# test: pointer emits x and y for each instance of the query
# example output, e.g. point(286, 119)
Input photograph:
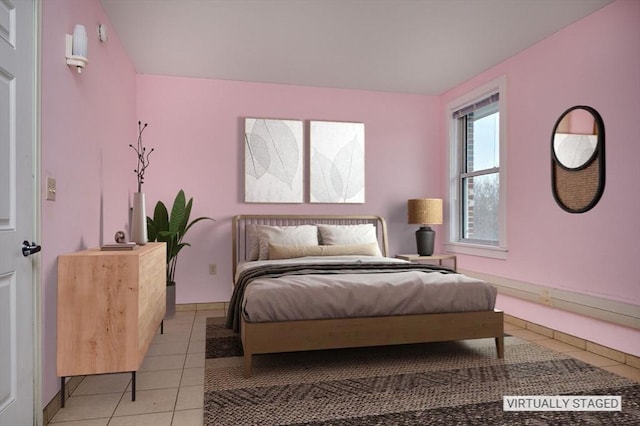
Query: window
point(478, 176)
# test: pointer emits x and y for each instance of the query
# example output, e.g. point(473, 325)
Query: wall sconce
point(76, 48)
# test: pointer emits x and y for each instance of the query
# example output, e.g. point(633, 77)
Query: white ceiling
point(410, 46)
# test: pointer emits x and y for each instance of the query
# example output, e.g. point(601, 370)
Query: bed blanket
point(246, 277)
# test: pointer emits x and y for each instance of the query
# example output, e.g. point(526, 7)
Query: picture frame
point(274, 160)
point(337, 162)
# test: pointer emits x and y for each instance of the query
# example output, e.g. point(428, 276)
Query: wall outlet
point(213, 269)
point(545, 297)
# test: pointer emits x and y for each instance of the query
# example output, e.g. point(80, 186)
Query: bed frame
point(305, 335)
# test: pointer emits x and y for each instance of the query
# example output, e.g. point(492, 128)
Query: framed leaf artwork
point(273, 161)
point(337, 162)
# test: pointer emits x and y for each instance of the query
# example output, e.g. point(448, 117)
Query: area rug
point(449, 383)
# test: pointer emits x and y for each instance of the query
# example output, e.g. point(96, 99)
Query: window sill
point(493, 252)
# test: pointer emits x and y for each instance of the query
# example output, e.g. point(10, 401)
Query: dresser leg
point(133, 385)
point(62, 392)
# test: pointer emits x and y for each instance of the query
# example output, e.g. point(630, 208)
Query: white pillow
point(278, 251)
point(348, 234)
point(303, 235)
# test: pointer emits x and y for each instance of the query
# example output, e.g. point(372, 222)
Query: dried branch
point(143, 156)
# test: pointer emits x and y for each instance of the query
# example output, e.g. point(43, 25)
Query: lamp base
point(425, 237)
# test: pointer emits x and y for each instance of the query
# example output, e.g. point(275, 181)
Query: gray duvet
point(349, 287)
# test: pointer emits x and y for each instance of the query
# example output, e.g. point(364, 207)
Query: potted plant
point(171, 229)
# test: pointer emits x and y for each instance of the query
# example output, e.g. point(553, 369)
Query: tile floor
point(585, 356)
point(170, 383)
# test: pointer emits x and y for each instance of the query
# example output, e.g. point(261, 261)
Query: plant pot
point(171, 301)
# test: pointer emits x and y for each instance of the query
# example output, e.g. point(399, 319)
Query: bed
point(269, 321)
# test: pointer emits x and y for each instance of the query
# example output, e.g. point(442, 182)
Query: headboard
point(239, 237)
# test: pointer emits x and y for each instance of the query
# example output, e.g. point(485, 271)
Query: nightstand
point(416, 258)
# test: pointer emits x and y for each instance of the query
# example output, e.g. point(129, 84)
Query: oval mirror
point(577, 151)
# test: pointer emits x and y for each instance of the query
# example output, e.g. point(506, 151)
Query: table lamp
point(425, 212)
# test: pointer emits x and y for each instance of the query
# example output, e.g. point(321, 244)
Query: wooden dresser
point(110, 306)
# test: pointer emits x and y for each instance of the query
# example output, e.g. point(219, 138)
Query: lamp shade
point(426, 211)
point(79, 41)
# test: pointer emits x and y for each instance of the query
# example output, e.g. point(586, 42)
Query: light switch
point(51, 189)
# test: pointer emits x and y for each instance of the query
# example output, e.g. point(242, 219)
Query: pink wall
point(196, 127)
point(594, 62)
point(88, 120)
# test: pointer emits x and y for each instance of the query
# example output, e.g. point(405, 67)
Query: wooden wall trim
point(616, 312)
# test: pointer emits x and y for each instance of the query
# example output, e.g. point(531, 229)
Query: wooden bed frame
point(305, 335)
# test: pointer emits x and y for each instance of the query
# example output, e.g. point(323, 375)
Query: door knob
point(29, 249)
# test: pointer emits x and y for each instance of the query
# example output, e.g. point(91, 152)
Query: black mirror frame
point(598, 155)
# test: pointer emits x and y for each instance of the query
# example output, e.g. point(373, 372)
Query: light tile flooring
point(585, 356)
point(170, 383)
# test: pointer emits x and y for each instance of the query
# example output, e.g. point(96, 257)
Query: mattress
point(372, 290)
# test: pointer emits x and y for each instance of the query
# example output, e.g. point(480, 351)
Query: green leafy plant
point(171, 229)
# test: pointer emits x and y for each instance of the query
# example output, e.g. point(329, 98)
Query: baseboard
point(54, 405)
point(211, 306)
point(620, 313)
point(579, 343)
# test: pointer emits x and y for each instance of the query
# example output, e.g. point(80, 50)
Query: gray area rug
point(449, 383)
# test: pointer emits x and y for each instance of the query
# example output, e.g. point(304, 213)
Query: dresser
point(110, 306)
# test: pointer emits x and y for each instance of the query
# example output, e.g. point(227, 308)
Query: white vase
point(139, 220)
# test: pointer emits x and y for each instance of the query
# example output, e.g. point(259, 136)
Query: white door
point(17, 217)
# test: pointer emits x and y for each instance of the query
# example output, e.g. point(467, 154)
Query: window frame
point(455, 243)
